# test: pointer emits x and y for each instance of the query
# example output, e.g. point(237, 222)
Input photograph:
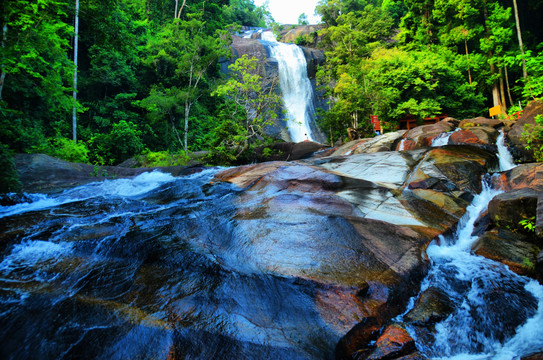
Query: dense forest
point(148, 71)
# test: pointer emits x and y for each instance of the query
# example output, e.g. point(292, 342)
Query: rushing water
point(148, 268)
point(497, 313)
point(504, 156)
point(295, 86)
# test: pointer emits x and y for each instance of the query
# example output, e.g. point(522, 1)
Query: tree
point(183, 56)
point(36, 73)
point(254, 101)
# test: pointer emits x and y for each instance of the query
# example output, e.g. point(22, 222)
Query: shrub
point(64, 149)
point(123, 142)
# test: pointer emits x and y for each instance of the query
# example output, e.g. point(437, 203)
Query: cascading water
point(295, 87)
point(442, 139)
point(496, 313)
point(504, 156)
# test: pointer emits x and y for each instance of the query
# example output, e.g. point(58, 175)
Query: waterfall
point(442, 139)
point(504, 156)
point(295, 87)
point(497, 313)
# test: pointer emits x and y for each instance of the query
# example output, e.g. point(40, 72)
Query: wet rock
point(533, 109)
point(431, 307)
point(476, 136)
point(394, 343)
point(288, 151)
point(287, 206)
point(538, 356)
point(41, 173)
point(450, 164)
point(508, 209)
point(359, 336)
point(253, 48)
point(389, 169)
point(379, 143)
point(423, 135)
point(522, 176)
point(481, 121)
point(12, 199)
point(514, 249)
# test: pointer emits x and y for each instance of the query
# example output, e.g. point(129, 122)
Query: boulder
point(450, 164)
point(431, 307)
point(371, 267)
point(512, 248)
point(481, 121)
point(394, 343)
point(291, 33)
point(251, 47)
point(476, 136)
point(538, 356)
point(41, 173)
point(533, 109)
point(522, 176)
point(481, 136)
point(506, 210)
point(379, 143)
point(423, 135)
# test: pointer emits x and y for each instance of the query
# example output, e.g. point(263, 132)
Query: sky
point(288, 11)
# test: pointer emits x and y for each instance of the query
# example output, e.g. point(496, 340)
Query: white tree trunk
point(76, 38)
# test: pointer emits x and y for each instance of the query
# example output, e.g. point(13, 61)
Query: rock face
point(422, 136)
point(311, 256)
point(533, 109)
point(46, 174)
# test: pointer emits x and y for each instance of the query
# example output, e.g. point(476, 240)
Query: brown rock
point(357, 339)
point(46, 174)
point(522, 176)
point(423, 135)
point(465, 137)
point(533, 109)
point(538, 356)
point(508, 209)
point(393, 343)
point(481, 121)
point(432, 306)
point(513, 249)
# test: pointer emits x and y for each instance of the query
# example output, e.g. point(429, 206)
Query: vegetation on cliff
point(149, 70)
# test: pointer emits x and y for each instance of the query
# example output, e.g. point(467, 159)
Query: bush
point(123, 142)
point(533, 136)
point(64, 149)
point(9, 178)
point(163, 158)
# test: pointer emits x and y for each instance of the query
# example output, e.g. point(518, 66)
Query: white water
point(295, 87)
point(504, 156)
point(139, 185)
point(443, 139)
point(401, 146)
point(498, 315)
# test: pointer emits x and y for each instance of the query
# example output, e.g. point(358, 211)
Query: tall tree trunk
point(187, 113)
point(2, 71)
point(181, 9)
point(467, 58)
point(508, 87)
point(495, 86)
point(502, 95)
point(76, 38)
point(520, 44)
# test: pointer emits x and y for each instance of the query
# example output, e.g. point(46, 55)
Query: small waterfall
point(496, 312)
point(295, 87)
point(504, 156)
point(443, 139)
point(401, 145)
